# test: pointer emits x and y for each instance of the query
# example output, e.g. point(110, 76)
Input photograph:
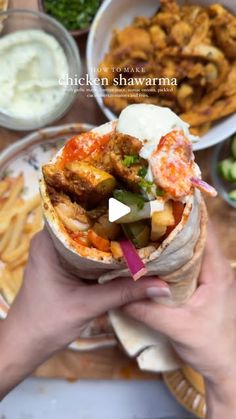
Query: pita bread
point(152, 350)
point(177, 260)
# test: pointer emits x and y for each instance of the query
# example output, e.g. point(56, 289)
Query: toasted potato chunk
point(116, 250)
point(165, 217)
point(161, 220)
point(157, 231)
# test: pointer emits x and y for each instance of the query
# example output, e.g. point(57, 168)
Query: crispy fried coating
point(125, 145)
point(82, 181)
point(194, 44)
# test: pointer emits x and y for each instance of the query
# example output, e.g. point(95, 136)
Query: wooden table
point(98, 365)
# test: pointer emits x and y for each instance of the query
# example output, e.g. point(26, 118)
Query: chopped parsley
point(146, 185)
point(143, 171)
point(130, 159)
point(73, 14)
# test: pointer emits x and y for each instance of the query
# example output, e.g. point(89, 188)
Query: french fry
point(17, 252)
point(16, 278)
point(36, 222)
point(12, 203)
point(5, 219)
point(10, 283)
point(16, 233)
point(14, 193)
point(3, 186)
point(6, 286)
point(4, 307)
point(27, 228)
point(38, 215)
point(25, 207)
point(30, 205)
point(31, 229)
point(20, 220)
point(21, 261)
point(5, 238)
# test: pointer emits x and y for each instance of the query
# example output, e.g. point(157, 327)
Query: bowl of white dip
point(36, 55)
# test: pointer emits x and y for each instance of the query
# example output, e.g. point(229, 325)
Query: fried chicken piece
point(165, 20)
point(122, 145)
point(158, 37)
point(71, 209)
point(170, 6)
point(134, 38)
point(54, 176)
point(82, 181)
point(181, 33)
point(185, 96)
point(224, 27)
point(198, 116)
point(71, 214)
point(194, 44)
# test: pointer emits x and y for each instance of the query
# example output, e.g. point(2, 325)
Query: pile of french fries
point(20, 220)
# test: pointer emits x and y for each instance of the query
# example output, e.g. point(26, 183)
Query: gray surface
point(54, 399)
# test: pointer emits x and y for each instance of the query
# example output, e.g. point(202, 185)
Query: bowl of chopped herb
point(75, 15)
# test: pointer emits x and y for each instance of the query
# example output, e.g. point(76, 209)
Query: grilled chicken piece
point(125, 145)
point(97, 212)
point(101, 160)
point(72, 215)
point(72, 209)
point(54, 177)
point(87, 184)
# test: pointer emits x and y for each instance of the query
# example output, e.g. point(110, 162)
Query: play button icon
point(116, 210)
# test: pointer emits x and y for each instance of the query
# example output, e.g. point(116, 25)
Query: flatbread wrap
point(145, 161)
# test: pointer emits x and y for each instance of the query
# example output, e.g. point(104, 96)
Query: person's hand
point(203, 331)
point(52, 308)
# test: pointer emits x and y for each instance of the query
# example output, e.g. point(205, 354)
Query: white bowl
point(22, 19)
point(118, 14)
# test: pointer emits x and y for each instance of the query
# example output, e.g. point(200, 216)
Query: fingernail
point(153, 292)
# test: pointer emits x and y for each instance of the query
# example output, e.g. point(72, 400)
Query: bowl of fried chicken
point(167, 53)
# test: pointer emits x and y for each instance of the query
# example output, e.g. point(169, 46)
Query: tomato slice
point(177, 208)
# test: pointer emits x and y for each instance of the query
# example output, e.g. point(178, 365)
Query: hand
point(203, 331)
point(52, 308)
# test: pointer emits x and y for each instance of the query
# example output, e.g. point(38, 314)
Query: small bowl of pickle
point(223, 170)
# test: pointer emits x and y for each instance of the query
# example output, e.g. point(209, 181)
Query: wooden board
point(103, 364)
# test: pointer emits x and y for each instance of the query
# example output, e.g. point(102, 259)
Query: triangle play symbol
point(116, 210)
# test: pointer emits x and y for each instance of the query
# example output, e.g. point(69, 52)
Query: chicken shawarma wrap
point(145, 161)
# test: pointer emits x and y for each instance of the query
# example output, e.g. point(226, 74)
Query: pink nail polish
point(154, 292)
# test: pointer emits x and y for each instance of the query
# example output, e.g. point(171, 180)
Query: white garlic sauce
point(31, 63)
